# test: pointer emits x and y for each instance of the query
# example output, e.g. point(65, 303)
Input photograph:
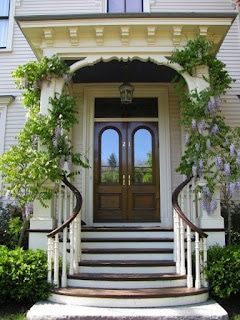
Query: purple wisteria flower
point(187, 138)
point(238, 158)
point(219, 162)
point(194, 170)
point(28, 209)
point(62, 161)
point(227, 169)
point(208, 203)
point(194, 124)
point(201, 167)
point(215, 129)
point(208, 144)
point(213, 205)
point(232, 150)
point(201, 126)
point(197, 146)
point(213, 105)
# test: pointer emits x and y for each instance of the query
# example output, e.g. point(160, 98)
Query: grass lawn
point(13, 312)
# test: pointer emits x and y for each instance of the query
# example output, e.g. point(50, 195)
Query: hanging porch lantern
point(126, 93)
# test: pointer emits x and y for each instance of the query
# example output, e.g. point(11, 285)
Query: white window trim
point(5, 101)
point(10, 28)
point(146, 6)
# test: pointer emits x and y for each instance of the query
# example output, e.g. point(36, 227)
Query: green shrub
point(23, 275)
point(223, 270)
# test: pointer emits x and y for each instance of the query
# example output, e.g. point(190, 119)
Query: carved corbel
point(151, 35)
point(177, 34)
point(99, 34)
point(48, 36)
point(125, 33)
point(73, 35)
point(203, 31)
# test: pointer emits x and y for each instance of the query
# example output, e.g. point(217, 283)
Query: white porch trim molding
point(5, 101)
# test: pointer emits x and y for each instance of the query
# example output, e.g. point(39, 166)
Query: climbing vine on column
point(212, 147)
point(44, 146)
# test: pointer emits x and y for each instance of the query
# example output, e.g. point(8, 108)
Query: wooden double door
point(126, 172)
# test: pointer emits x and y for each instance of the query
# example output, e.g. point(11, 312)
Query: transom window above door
point(122, 6)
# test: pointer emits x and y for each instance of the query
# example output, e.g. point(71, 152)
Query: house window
point(4, 22)
point(121, 6)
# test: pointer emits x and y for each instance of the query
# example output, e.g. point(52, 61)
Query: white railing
point(188, 238)
point(62, 259)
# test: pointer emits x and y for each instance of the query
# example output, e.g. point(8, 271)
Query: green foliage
point(212, 147)
point(222, 270)
point(31, 167)
point(10, 225)
point(23, 275)
point(234, 229)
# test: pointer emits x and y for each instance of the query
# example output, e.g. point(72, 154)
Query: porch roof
point(79, 35)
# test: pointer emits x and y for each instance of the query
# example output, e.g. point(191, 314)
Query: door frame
point(148, 90)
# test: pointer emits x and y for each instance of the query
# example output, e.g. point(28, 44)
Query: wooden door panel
point(126, 185)
point(143, 169)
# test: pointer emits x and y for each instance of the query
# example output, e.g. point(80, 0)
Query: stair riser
point(126, 284)
point(129, 302)
point(129, 245)
point(127, 269)
point(127, 256)
point(127, 234)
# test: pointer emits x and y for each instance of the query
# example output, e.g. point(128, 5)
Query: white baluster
point(197, 261)
point(71, 248)
point(79, 250)
point(175, 235)
point(56, 261)
point(205, 283)
point(182, 246)
point(178, 249)
point(188, 202)
point(71, 205)
point(75, 246)
point(50, 257)
point(189, 258)
point(64, 245)
point(60, 199)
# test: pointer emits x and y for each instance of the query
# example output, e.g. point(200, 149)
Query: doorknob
point(124, 180)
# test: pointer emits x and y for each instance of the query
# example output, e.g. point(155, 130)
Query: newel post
point(43, 217)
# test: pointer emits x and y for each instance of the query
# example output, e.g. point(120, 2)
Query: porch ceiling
point(78, 36)
point(118, 71)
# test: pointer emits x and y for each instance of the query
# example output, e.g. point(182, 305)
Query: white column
point(43, 217)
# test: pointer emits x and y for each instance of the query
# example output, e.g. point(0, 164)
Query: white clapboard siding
point(191, 5)
point(230, 54)
point(50, 7)
point(21, 53)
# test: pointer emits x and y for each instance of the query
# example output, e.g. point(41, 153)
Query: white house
point(131, 246)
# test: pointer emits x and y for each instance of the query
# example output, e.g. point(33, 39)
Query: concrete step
point(55, 311)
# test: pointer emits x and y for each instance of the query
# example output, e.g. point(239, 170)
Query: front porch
point(136, 248)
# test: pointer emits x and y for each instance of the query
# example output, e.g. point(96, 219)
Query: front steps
point(129, 267)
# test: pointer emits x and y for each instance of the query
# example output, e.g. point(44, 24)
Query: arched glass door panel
point(142, 157)
point(110, 156)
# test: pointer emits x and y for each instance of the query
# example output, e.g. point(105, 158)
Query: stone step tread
point(127, 239)
point(127, 263)
point(130, 293)
point(126, 276)
point(127, 250)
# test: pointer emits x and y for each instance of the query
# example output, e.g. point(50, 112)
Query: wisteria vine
point(212, 150)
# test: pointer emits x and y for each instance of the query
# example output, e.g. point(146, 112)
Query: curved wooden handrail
point(179, 211)
point(76, 209)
